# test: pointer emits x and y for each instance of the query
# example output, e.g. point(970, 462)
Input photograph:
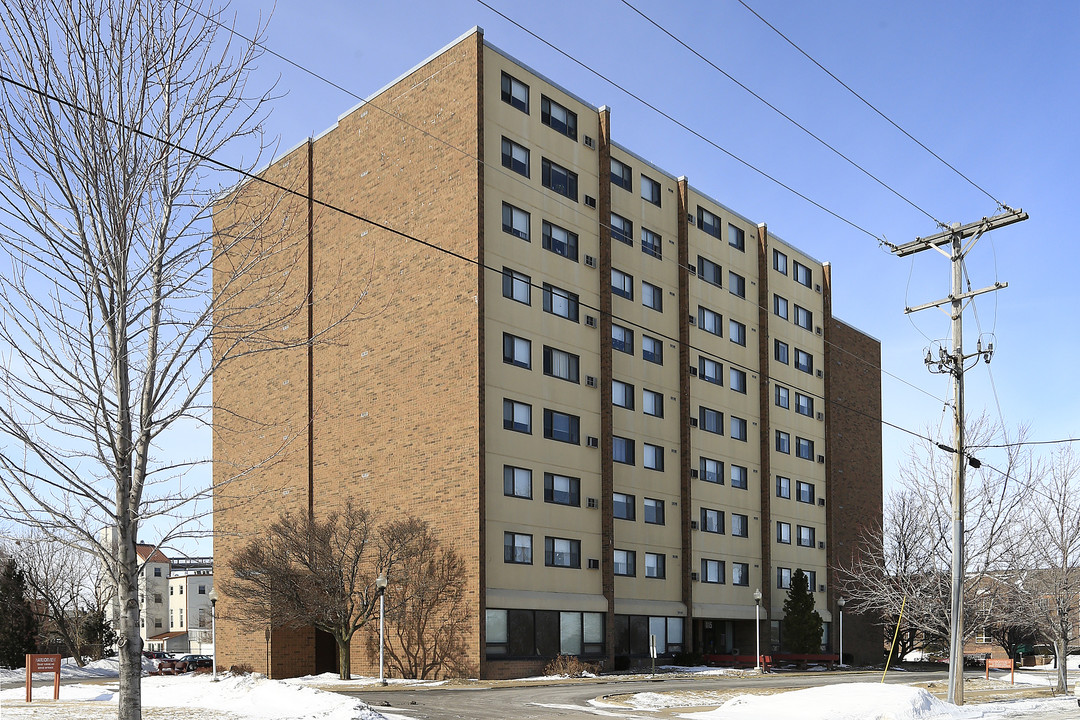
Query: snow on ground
point(332, 680)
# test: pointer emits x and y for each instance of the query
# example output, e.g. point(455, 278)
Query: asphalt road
point(570, 700)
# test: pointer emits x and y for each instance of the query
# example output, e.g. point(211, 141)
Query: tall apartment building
point(625, 404)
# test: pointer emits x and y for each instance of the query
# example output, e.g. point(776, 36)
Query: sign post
point(43, 664)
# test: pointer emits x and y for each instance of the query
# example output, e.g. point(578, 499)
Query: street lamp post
point(380, 585)
point(840, 604)
point(213, 596)
point(757, 629)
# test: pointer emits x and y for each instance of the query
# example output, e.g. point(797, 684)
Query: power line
point(356, 216)
point(687, 128)
point(784, 115)
point(871, 106)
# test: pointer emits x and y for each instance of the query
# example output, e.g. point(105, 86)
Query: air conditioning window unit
point(821, 588)
point(590, 381)
point(693, 577)
point(817, 329)
point(592, 503)
point(692, 269)
point(690, 218)
point(817, 288)
point(592, 441)
point(693, 524)
point(821, 501)
point(693, 473)
point(590, 261)
point(693, 371)
point(594, 564)
point(589, 142)
point(821, 544)
point(590, 320)
point(590, 201)
point(821, 458)
point(820, 374)
point(821, 416)
point(693, 422)
point(692, 320)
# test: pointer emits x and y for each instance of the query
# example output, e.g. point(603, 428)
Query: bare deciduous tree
point(307, 572)
point(111, 111)
point(427, 615)
point(913, 569)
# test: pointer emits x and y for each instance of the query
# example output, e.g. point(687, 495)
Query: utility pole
point(953, 363)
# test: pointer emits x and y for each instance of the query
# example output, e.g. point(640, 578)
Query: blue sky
point(989, 86)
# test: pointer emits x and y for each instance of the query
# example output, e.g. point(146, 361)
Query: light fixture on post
point(380, 586)
point(213, 596)
point(840, 604)
point(757, 629)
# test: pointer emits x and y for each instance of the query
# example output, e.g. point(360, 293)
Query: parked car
point(156, 655)
point(185, 663)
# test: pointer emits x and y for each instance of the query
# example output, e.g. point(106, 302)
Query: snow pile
point(846, 701)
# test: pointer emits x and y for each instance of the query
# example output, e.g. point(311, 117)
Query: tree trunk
point(344, 661)
point(130, 641)
point(1062, 672)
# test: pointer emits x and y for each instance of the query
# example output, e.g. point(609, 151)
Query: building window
point(517, 351)
point(517, 482)
point(984, 637)
point(157, 623)
point(737, 379)
point(738, 428)
point(650, 190)
point(622, 394)
point(804, 318)
point(561, 426)
point(783, 487)
point(654, 511)
point(804, 361)
point(652, 403)
point(560, 240)
point(736, 238)
point(515, 221)
point(652, 350)
point(710, 371)
point(180, 590)
point(202, 589)
point(783, 442)
point(562, 490)
point(622, 506)
point(622, 450)
point(654, 565)
point(811, 581)
point(779, 262)
point(780, 352)
point(515, 157)
point(804, 448)
point(708, 222)
point(740, 527)
point(622, 284)
point(711, 420)
point(652, 296)
point(804, 404)
point(623, 563)
point(157, 596)
point(736, 284)
point(782, 396)
point(709, 271)
point(622, 175)
point(157, 572)
point(560, 302)
point(712, 470)
point(622, 229)
point(804, 492)
point(172, 619)
point(652, 457)
point(651, 244)
point(783, 578)
point(712, 521)
point(561, 364)
point(515, 92)
point(712, 571)
point(517, 416)
point(560, 552)
point(802, 275)
point(558, 118)
point(559, 179)
point(783, 533)
point(780, 306)
point(739, 477)
point(806, 536)
point(517, 286)
point(517, 548)
point(740, 574)
point(622, 339)
point(737, 332)
point(170, 590)
point(710, 321)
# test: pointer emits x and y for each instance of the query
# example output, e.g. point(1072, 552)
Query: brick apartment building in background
point(626, 405)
